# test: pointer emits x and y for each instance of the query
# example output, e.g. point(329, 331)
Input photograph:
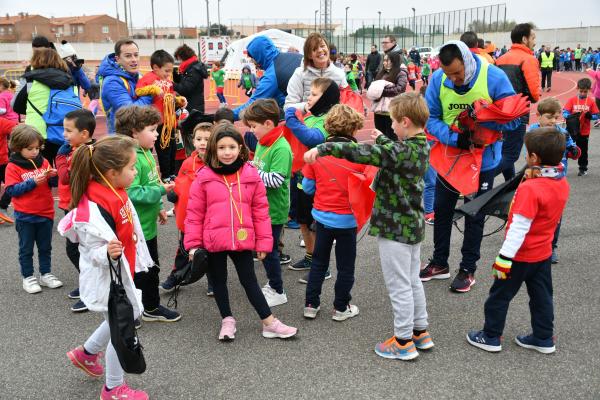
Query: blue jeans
point(345, 256)
point(429, 192)
point(271, 261)
point(222, 98)
point(511, 150)
point(445, 202)
point(39, 233)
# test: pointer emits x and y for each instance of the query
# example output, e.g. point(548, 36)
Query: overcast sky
point(544, 13)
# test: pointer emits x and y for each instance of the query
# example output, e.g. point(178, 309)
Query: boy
point(146, 193)
point(218, 75)
point(425, 72)
point(273, 159)
point(79, 126)
point(350, 78)
point(584, 104)
point(397, 218)
point(324, 94)
point(525, 254)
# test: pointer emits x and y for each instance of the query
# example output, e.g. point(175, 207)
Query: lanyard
point(152, 164)
point(239, 211)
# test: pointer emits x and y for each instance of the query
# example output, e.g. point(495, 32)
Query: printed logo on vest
point(455, 106)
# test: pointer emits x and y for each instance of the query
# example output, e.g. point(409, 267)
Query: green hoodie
point(146, 192)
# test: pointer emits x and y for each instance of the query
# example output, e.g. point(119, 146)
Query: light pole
point(414, 26)
point(316, 12)
point(219, 15)
point(379, 33)
point(153, 26)
point(346, 40)
point(207, 20)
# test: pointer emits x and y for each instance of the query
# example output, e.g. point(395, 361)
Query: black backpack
point(573, 124)
point(191, 272)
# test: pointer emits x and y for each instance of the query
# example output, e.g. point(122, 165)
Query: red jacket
point(63, 167)
point(6, 127)
point(522, 55)
point(166, 85)
point(183, 182)
point(38, 201)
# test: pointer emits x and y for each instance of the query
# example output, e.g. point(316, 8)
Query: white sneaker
point(171, 212)
point(310, 312)
point(31, 285)
point(302, 244)
point(351, 311)
point(50, 281)
point(273, 298)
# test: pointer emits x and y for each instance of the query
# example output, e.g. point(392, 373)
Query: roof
point(83, 19)
point(12, 19)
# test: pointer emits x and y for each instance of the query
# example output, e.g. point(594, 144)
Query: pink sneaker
point(123, 392)
point(278, 330)
point(89, 364)
point(227, 329)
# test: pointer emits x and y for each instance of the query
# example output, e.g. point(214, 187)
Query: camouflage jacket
point(398, 210)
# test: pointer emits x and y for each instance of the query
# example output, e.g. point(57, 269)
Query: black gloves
point(588, 115)
point(463, 140)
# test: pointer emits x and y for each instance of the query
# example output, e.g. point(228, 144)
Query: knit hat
point(66, 49)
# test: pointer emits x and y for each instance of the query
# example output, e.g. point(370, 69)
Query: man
point(118, 75)
point(388, 44)
point(578, 52)
point(373, 63)
point(415, 56)
point(521, 67)
point(462, 80)
point(470, 39)
point(546, 59)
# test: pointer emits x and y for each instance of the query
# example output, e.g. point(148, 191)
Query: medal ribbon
point(239, 211)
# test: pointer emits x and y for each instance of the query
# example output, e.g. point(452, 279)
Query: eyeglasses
point(385, 42)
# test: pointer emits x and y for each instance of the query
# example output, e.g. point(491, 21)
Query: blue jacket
point(499, 87)
point(80, 78)
point(570, 143)
point(263, 50)
point(114, 93)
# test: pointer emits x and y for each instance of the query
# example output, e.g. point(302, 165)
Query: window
point(10, 30)
point(104, 29)
point(1, 30)
point(80, 29)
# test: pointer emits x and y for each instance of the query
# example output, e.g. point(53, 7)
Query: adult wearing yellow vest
point(546, 59)
point(462, 79)
point(578, 52)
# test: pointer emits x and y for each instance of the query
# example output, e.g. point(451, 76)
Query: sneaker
point(291, 224)
point(310, 312)
point(531, 342)
point(394, 350)
point(302, 265)
point(304, 279)
point(284, 258)
point(273, 298)
point(31, 285)
point(484, 342)
point(582, 173)
point(169, 284)
point(302, 244)
point(554, 258)
point(255, 257)
point(74, 294)
point(161, 314)
point(351, 311)
point(433, 271)
point(423, 341)
point(462, 282)
point(90, 364)
point(209, 291)
point(278, 329)
point(171, 212)
point(50, 281)
point(227, 329)
point(430, 218)
point(137, 324)
point(123, 392)
point(5, 218)
point(79, 307)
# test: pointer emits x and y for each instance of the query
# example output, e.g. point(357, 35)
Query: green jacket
point(350, 78)
point(146, 192)
point(398, 210)
point(219, 77)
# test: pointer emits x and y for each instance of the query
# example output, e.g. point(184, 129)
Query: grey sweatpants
point(401, 264)
point(99, 341)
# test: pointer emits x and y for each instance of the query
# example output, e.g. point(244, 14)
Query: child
point(584, 104)
point(28, 182)
point(6, 127)
point(413, 72)
point(548, 111)
point(224, 114)
point(350, 78)
point(327, 180)
point(146, 193)
point(228, 182)
point(6, 96)
point(324, 94)
point(79, 128)
point(425, 72)
point(105, 225)
point(248, 81)
point(525, 254)
point(218, 75)
point(180, 197)
point(273, 160)
point(161, 63)
point(399, 187)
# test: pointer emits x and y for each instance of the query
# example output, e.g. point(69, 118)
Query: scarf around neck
point(229, 169)
point(468, 59)
point(23, 162)
point(271, 137)
point(545, 171)
point(185, 64)
point(329, 98)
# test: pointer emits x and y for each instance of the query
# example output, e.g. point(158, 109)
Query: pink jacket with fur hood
point(212, 221)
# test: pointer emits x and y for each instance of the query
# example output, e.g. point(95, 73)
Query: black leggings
point(244, 265)
point(166, 156)
point(147, 282)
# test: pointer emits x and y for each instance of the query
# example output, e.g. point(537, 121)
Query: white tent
point(237, 54)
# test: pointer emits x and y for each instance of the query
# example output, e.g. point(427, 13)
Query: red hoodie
point(6, 127)
point(166, 85)
point(38, 201)
point(183, 182)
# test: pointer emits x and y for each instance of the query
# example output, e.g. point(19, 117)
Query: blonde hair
point(47, 58)
point(343, 120)
point(412, 106)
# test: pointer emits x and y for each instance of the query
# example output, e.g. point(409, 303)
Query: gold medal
point(242, 234)
point(134, 237)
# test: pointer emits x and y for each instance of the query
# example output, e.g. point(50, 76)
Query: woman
point(189, 79)
point(393, 72)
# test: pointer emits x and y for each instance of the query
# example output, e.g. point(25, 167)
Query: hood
point(109, 67)
point(51, 77)
point(263, 50)
point(468, 59)
point(330, 97)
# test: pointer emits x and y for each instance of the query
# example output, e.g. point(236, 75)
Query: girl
point(229, 182)
point(218, 75)
point(247, 81)
point(28, 184)
point(105, 224)
point(390, 72)
point(6, 96)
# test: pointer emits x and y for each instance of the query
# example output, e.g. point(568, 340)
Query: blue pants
point(39, 233)
point(222, 98)
point(445, 202)
point(511, 150)
point(538, 279)
point(271, 261)
point(429, 192)
point(345, 256)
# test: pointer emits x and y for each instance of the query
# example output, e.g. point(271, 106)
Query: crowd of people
point(291, 162)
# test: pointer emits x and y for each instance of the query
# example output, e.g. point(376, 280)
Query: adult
point(463, 79)
point(118, 74)
point(546, 59)
point(556, 64)
point(577, 54)
point(522, 69)
point(68, 54)
point(473, 43)
point(189, 77)
point(503, 50)
point(373, 62)
point(415, 56)
point(392, 72)
point(357, 70)
point(389, 45)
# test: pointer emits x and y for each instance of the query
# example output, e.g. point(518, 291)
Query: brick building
point(24, 27)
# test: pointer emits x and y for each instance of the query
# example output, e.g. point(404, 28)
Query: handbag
point(573, 125)
point(191, 272)
point(121, 323)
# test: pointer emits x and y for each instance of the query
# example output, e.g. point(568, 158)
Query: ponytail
point(80, 173)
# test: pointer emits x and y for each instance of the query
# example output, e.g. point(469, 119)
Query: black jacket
point(191, 85)
point(373, 62)
point(52, 77)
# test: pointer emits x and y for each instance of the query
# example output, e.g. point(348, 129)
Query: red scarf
point(272, 136)
point(185, 64)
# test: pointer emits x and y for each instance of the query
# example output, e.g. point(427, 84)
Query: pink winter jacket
point(211, 222)
point(596, 83)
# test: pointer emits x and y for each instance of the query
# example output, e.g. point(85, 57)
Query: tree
point(478, 26)
point(220, 30)
point(369, 31)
